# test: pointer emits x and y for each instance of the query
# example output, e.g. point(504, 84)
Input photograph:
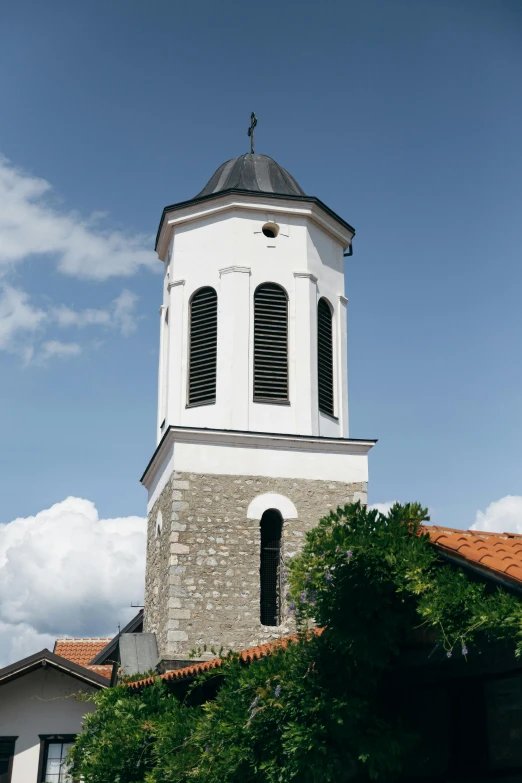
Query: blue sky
point(404, 117)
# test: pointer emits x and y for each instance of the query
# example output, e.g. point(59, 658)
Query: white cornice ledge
point(253, 440)
point(235, 201)
point(228, 270)
point(308, 275)
point(174, 283)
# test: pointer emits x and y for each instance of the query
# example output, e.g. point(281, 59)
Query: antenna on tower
point(253, 123)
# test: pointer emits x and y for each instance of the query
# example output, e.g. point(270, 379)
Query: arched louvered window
point(271, 529)
point(325, 357)
point(270, 343)
point(202, 347)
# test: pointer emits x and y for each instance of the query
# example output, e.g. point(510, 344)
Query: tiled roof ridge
point(84, 639)
point(471, 532)
point(246, 656)
point(496, 554)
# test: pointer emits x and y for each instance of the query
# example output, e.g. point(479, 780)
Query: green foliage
point(315, 710)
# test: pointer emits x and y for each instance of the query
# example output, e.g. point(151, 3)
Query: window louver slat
point(325, 357)
point(203, 347)
point(270, 344)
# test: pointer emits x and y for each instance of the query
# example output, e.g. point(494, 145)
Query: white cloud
point(65, 572)
point(31, 224)
point(19, 319)
point(120, 314)
point(19, 641)
point(55, 348)
point(382, 507)
point(124, 311)
point(22, 323)
point(66, 316)
point(501, 516)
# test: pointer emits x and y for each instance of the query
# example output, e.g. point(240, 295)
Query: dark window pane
point(271, 528)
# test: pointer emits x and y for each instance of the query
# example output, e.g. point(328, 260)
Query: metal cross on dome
point(253, 123)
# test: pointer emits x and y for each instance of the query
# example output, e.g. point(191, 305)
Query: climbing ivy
point(315, 710)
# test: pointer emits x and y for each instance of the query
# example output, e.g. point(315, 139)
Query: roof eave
point(251, 194)
point(504, 580)
point(44, 658)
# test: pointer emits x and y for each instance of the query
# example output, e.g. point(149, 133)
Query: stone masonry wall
point(202, 579)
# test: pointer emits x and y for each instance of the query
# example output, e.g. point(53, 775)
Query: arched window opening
point(159, 524)
point(271, 529)
point(325, 357)
point(270, 344)
point(203, 347)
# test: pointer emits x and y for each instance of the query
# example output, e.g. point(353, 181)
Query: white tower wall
point(226, 249)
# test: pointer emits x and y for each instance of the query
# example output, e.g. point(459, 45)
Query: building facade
point(253, 438)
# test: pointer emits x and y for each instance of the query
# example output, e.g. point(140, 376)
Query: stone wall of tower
point(202, 580)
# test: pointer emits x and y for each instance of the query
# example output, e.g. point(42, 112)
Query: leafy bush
point(315, 710)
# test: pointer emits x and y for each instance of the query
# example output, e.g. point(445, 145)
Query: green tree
point(315, 710)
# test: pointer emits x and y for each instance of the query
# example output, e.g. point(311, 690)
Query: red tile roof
point(246, 656)
point(498, 553)
point(82, 651)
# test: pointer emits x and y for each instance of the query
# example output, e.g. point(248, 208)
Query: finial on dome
point(253, 123)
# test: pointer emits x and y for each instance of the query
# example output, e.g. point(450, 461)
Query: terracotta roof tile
point(247, 656)
point(80, 651)
point(103, 670)
point(500, 553)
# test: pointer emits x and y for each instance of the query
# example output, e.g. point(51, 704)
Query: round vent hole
point(270, 230)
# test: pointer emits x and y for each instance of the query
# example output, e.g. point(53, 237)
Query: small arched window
point(271, 529)
point(325, 374)
point(159, 524)
point(202, 347)
point(270, 343)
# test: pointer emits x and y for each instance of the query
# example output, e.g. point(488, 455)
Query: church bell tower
point(253, 445)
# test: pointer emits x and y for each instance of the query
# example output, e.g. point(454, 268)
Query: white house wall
point(40, 702)
point(229, 252)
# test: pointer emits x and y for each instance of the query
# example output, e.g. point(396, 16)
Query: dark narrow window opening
point(7, 747)
point(271, 529)
point(203, 347)
point(270, 344)
point(325, 357)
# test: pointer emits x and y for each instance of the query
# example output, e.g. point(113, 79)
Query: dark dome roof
point(252, 173)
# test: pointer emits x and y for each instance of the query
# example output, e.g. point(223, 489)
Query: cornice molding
point(230, 201)
point(228, 270)
point(253, 440)
point(175, 283)
point(308, 275)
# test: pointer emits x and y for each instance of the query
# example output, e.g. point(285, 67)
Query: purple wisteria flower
point(287, 595)
point(207, 748)
point(284, 576)
point(464, 650)
point(308, 579)
point(313, 597)
point(328, 577)
point(349, 555)
point(303, 596)
point(448, 654)
point(291, 606)
point(254, 704)
point(277, 692)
